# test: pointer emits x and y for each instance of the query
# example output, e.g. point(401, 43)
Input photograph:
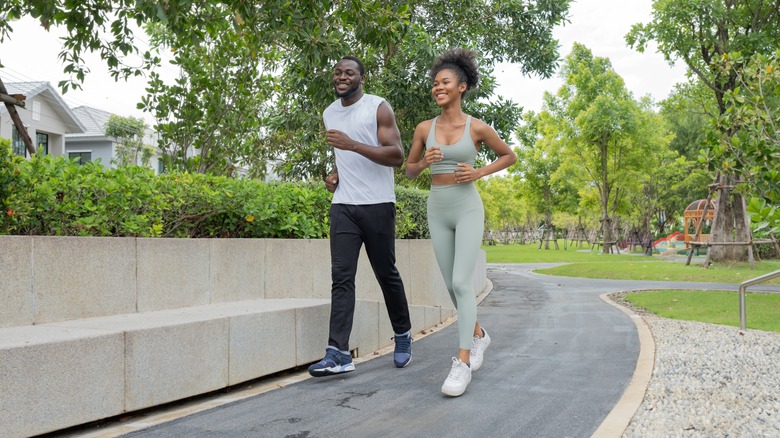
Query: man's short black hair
point(361, 67)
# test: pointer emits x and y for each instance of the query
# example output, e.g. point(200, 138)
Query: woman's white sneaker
point(456, 382)
point(478, 347)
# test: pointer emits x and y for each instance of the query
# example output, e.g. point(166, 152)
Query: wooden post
point(749, 236)
point(11, 107)
point(774, 243)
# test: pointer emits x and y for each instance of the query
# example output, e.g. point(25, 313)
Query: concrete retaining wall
point(95, 327)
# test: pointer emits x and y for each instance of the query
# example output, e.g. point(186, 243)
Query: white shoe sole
point(452, 392)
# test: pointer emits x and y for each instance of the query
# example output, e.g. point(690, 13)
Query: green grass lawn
point(625, 266)
point(530, 254)
point(660, 270)
point(717, 307)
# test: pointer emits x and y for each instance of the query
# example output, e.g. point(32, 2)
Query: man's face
point(346, 78)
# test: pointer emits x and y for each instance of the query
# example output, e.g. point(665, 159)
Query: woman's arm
point(484, 133)
point(417, 161)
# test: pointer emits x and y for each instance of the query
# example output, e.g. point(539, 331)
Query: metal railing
point(742, 290)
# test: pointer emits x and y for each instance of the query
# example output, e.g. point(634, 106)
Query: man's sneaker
point(403, 350)
point(460, 375)
point(334, 362)
point(478, 347)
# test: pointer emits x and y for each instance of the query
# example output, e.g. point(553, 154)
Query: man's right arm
point(388, 153)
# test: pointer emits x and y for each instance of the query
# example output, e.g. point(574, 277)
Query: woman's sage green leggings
point(456, 220)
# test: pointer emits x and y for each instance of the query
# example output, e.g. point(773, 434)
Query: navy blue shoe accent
point(403, 350)
point(334, 362)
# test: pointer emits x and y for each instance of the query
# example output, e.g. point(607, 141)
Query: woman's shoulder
point(425, 125)
point(479, 127)
point(477, 123)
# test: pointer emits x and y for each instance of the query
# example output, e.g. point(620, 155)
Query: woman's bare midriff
point(441, 179)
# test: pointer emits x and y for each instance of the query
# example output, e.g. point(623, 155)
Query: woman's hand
point(432, 155)
point(466, 173)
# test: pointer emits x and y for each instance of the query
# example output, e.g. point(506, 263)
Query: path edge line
point(618, 419)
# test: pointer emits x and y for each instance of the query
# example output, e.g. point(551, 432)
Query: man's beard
point(347, 94)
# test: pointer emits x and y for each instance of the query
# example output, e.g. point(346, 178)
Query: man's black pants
point(351, 226)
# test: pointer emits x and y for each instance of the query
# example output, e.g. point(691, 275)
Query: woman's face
point(447, 88)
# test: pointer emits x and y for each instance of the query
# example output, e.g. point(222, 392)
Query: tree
point(503, 200)
point(670, 184)
point(292, 47)
point(217, 106)
point(600, 126)
point(129, 135)
point(701, 33)
point(752, 120)
point(688, 112)
point(541, 154)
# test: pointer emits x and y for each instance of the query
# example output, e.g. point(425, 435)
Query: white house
point(59, 130)
point(46, 117)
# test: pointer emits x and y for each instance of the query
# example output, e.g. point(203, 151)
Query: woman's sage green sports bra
point(462, 151)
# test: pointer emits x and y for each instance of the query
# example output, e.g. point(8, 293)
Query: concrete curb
point(620, 416)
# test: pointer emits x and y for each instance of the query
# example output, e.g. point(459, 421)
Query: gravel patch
point(709, 380)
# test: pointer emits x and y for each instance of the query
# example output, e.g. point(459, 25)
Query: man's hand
point(340, 140)
point(332, 181)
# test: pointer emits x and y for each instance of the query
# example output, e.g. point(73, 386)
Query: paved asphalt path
point(559, 361)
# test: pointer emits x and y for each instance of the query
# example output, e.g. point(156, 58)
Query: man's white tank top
point(361, 181)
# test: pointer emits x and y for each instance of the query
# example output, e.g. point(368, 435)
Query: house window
point(82, 157)
point(42, 142)
point(17, 143)
point(36, 110)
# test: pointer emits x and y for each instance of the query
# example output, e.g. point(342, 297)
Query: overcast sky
point(601, 25)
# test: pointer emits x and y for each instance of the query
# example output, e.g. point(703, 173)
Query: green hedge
point(412, 213)
point(53, 196)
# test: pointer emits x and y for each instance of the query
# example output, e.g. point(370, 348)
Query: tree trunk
point(728, 225)
point(606, 225)
point(606, 220)
point(548, 229)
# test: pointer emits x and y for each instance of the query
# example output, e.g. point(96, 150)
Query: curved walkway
point(563, 362)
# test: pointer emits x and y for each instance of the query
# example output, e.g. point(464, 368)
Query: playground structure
point(671, 244)
point(698, 216)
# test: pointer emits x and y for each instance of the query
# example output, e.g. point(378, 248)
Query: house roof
point(48, 93)
point(93, 119)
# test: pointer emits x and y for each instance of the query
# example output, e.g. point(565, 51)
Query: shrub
point(55, 196)
point(411, 213)
point(8, 163)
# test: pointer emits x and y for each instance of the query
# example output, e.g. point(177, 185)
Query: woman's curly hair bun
point(461, 61)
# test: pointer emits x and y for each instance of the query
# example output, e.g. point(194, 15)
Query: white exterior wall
point(103, 150)
point(48, 123)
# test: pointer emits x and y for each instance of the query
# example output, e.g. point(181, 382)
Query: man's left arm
point(390, 151)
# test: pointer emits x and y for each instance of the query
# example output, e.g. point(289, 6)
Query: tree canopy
point(288, 49)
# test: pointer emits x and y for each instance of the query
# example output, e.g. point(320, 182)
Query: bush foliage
point(54, 196)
